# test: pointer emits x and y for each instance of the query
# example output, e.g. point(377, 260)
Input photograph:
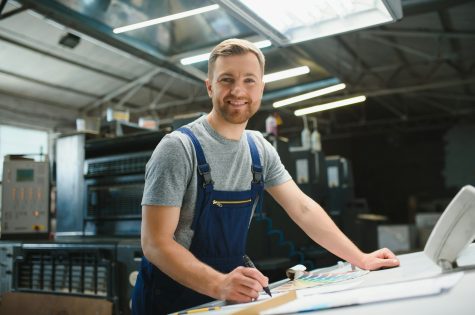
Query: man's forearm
point(321, 228)
point(181, 265)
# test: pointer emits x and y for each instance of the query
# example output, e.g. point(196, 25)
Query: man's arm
point(158, 227)
point(320, 227)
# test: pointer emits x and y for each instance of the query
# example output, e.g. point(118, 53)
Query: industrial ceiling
point(60, 59)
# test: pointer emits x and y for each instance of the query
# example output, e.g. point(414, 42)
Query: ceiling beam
point(403, 90)
point(74, 20)
point(455, 48)
point(392, 67)
point(187, 101)
point(454, 45)
point(380, 126)
point(330, 62)
point(9, 13)
point(125, 98)
point(415, 7)
point(401, 47)
point(433, 70)
point(450, 96)
point(253, 21)
point(357, 57)
point(432, 103)
point(48, 84)
point(75, 62)
point(406, 65)
point(22, 118)
point(390, 108)
point(159, 96)
point(63, 88)
point(2, 5)
point(419, 34)
point(20, 110)
point(111, 95)
point(395, 73)
point(420, 87)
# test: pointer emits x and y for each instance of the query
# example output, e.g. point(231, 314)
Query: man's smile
point(237, 103)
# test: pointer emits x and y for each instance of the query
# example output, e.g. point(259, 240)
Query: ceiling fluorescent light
point(309, 95)
point(271, 77)
point(195, 59)
point(301, 20)
point(164, 19)
point(263, 44)
point(205, 57)
point(327, 106)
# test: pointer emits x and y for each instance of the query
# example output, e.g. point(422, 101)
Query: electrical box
point(25, 198)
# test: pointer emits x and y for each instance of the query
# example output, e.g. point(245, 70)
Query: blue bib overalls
point(220, 226)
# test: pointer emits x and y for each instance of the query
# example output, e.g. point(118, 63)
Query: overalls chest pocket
point(224, 223)
point(242, 203)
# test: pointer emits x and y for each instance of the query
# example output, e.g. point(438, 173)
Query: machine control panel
point(25, 196)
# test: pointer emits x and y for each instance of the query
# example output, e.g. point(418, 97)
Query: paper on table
point(402, 290)
point(331, 288)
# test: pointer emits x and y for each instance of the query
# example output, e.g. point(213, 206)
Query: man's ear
point(209, 88)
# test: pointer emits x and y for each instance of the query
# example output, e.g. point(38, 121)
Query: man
point(202, 185)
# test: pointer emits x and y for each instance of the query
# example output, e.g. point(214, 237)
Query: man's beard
point(237, 115)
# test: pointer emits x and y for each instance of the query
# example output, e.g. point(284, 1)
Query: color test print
point(309, 279)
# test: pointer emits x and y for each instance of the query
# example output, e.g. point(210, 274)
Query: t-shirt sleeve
point(275, 172)
point(167, 173)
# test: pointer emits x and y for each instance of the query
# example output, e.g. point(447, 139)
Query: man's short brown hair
point(232, 47)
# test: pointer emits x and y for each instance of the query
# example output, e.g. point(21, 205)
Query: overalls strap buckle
point(256, 174)
point(256, 167)
point(205, 171)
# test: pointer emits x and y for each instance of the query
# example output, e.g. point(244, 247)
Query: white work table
point(460, 300)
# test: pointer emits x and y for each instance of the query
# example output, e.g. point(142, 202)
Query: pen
point(248, 263)
point(198, 310)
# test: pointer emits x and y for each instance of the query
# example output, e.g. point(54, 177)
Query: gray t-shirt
point(171, 176)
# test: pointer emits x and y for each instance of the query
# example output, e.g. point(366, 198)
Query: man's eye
point(250, 81)
point(226, 80)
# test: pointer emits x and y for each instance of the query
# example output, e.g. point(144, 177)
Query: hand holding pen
point(241, 285)
point(248, 263)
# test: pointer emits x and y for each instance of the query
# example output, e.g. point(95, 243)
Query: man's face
point(235, 87)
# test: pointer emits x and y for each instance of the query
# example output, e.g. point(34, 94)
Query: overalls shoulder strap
point(203, 166)
point(256, 167)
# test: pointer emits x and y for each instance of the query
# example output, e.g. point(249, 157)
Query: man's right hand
point(242, 285)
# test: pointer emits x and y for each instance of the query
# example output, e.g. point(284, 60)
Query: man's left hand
point(382, 258)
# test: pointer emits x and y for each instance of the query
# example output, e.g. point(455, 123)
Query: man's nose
point(238, 89)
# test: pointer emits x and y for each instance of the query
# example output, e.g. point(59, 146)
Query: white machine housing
point(454, 230)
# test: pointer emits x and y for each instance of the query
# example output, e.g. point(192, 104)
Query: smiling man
point(236, 92)
point(202, 184)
